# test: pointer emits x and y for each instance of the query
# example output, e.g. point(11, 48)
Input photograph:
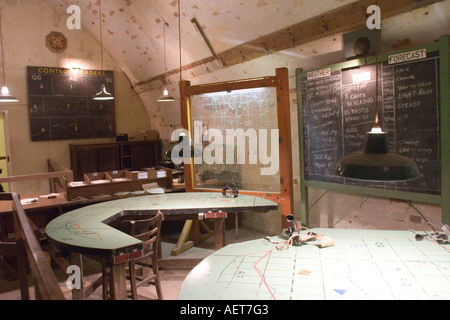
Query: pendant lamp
point(165, 97)
point(376, 163)
point(103, 94)
point(5, 96)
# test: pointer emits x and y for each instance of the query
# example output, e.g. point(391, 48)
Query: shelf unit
point(110, 156)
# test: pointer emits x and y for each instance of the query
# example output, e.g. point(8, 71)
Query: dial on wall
point(56, 41)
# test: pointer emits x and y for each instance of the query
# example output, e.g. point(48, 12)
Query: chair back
point(148, 231)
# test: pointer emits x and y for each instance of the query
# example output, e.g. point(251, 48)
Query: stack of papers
point(99, 181)
point(120, 179)
point(153, 188)
point(77, 183)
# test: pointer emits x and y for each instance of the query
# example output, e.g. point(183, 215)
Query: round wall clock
point(56, 41)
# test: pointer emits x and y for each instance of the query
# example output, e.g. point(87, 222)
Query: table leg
point(183, 244)
point(236, 224)
point(78, 293)
point(192, 229)
point(219, 233)
point(117, 281)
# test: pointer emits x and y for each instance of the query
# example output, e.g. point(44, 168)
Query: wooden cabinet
point(101, 157)
point(139, 154)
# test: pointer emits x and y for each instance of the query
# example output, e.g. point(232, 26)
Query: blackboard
point(338, 108)
point(61, 104)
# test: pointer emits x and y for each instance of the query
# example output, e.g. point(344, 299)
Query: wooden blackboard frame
point(442, 47)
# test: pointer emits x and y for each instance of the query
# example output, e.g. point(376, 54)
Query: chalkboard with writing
point(61, 104)
point(337, 108)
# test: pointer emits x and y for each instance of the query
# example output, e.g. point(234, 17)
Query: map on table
point(363, 264)
point(86, 227)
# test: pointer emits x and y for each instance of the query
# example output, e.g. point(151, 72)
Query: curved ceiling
point(133, 30)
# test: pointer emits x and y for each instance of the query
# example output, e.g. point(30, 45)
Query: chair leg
point(158, 288)
point(157, 280)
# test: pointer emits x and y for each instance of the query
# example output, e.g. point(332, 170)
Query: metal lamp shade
point(103, 94)
point(6, 97)
point(165, 97)
point(376, 163)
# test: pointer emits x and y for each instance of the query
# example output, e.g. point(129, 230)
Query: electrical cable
point(298, 239)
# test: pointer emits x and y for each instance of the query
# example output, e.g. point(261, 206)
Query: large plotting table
point(89, 230)
point(363, 264)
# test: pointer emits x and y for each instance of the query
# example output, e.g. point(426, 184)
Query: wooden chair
point(148, 231)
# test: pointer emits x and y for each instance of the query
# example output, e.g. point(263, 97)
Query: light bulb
point(376, 129)
point(5, 91)
point(6, 97)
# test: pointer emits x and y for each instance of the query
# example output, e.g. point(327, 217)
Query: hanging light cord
point(101, 37)
point(179, 34)
point(3, 57)
point(165, 64)
point(377, 44)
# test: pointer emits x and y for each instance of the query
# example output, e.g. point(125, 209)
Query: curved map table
point(87, 231)
point(363, 264)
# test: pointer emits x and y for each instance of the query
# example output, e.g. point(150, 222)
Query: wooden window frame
point(281, 83)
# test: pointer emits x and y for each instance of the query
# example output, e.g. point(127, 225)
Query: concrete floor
point(171, 279)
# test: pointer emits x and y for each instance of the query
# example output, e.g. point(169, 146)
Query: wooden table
point(362, 264)
point(47, 208)
point(88, 230)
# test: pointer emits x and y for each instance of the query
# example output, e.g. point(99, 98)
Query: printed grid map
point(363, 264)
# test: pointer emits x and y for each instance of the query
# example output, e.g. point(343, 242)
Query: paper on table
point(100, 196)
point(99, 181)
point(152, 188)
point(120, 179)
point(50, 195)
point(29, 201)
point(77, 183)
point(122, 193)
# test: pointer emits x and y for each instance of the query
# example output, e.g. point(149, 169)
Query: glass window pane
point(239, 138)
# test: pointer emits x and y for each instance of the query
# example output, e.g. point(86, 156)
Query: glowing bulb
point(376, 129)
point(5, 91)
point(6, 97)
point(103, 94)
point(75, 70)
point(165, 97)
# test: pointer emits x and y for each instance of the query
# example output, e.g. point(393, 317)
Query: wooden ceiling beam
point(343, 19)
